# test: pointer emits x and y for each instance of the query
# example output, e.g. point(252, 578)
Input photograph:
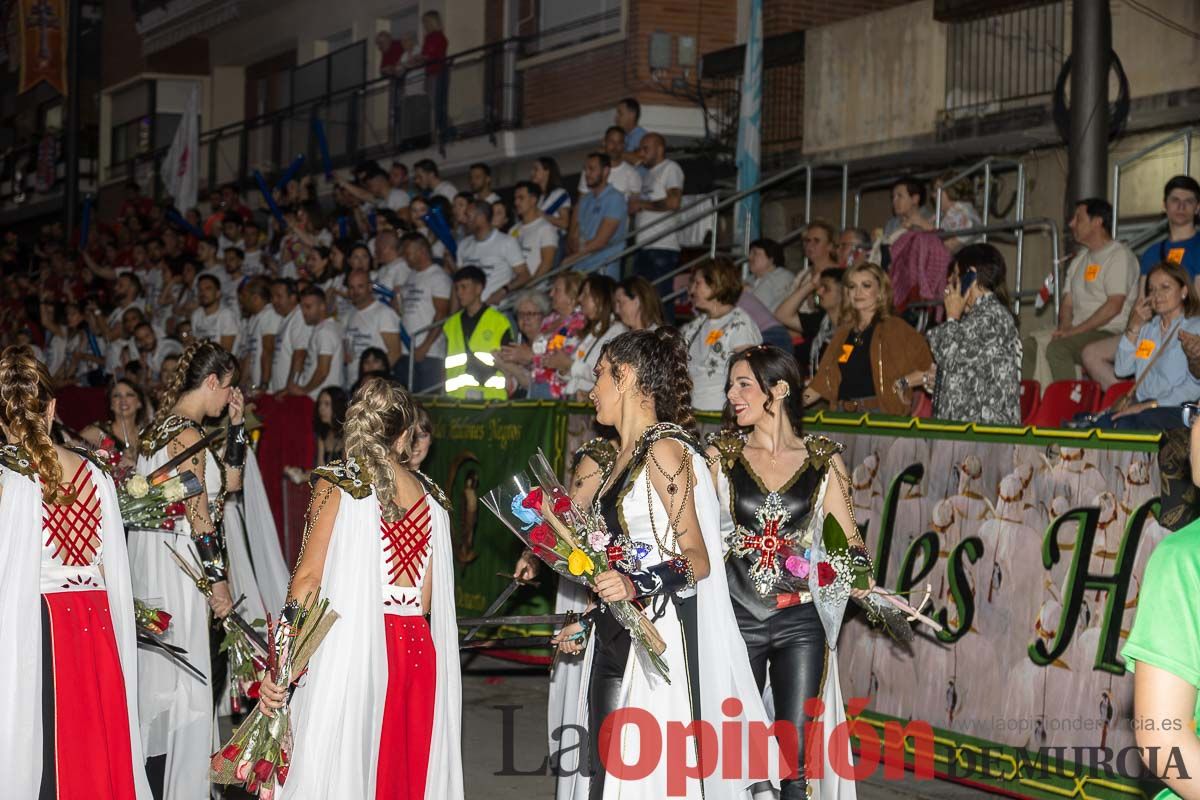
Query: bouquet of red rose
point(150, 619)
point(258, 754)
point(574, 543)
point(155, 506)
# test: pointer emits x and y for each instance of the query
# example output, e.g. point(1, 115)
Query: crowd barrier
point(1032, 541)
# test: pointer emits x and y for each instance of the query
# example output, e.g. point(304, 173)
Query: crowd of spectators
point(444, 288)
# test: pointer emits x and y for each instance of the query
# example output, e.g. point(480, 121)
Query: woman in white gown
point(378, 713)
point(177, 709)
point(661, 509)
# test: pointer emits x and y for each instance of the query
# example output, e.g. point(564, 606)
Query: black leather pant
point(791, 644)
point(608, 668)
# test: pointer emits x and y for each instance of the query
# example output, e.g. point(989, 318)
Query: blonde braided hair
point(25, 393)
point(380, 412)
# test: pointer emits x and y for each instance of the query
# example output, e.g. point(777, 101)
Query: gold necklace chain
point(665, 550)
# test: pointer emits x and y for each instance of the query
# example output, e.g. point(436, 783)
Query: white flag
point(180, 171)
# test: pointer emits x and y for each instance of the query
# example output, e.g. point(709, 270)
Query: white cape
point(337, 711)
point(21, 627)
point(256, 566)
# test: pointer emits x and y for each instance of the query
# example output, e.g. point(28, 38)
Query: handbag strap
point(1138, 382)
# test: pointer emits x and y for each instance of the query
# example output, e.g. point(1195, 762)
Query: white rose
point(138, 486)
point(173, 490)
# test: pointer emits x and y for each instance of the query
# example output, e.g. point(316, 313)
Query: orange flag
point(42, 26)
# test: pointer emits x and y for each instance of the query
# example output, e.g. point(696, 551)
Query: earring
point(787, 392)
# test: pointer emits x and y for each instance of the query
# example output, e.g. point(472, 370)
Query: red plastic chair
point(1031, 398)
point(1114, 393)
point(1062, 400)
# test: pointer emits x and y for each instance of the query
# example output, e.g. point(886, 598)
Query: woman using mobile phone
point(976, 374)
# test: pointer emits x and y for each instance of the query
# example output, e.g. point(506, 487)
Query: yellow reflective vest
point(470, 367)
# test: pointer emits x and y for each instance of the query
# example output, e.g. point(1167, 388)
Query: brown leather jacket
point(896, 350)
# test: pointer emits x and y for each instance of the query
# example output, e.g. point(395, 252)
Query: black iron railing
point(1003, 61)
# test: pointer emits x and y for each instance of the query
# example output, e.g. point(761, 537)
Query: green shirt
point(1166, 629)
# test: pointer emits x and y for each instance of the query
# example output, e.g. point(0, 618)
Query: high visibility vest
point(470, 367)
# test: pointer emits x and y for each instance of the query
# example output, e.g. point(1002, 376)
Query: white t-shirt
point(771, 288)
point(396, 199)
point(114, 319)
point(1094, 275)
point(447, 190)
point(582, 377)
point(711, 343)
point(292, 335)
point(264, 323)
point(656, 183)
point(365, 328)
point(211, 327)
point(253, 263)
point(224, 243)
point(394, 274)
point(532, 237)
point(623, 177)
point(492, 198)
point(498, 256)
point(118, 351)
point(325, 339)
point(154, 361)
point(417, 304)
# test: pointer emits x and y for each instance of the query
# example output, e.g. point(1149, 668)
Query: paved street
point(494, 690)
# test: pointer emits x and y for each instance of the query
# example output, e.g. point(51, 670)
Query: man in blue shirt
point(600, 224)
point(1181, 196)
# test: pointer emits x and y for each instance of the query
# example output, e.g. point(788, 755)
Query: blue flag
point(749, 142)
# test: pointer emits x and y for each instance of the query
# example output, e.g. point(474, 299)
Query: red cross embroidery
point(74, 530)
point(406, 545)
point(768, 543)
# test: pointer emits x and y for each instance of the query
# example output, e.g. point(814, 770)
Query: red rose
point(263, 769)
point(615, 553)
point(252, 690)
point(231, 752)
point(281, 775)
point(108, 443)
point(546, 555)
point(162, 621)
point(542, 536)
point(562, 504)
point(533, 500)
point(168, 524)
point(825, 574)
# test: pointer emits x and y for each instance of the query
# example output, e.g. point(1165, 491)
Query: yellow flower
point(137, 486)
point(579, 562)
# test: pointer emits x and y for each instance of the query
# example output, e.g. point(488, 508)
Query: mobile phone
point(965, 281)
point(1190, 412)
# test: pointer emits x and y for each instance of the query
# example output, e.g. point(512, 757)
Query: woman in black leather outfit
point(770, 477)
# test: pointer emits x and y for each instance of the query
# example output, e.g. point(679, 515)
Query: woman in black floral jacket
point(976, 375)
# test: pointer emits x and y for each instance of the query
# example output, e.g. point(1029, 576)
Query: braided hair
point(380, 412)
point(197, 362)
point(25, 394)
point(659, 360)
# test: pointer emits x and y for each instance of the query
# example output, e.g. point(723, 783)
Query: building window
point(131, 116)
point(566, 22)
point(339, 40)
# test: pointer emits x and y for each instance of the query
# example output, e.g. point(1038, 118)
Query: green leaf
point(833, 536)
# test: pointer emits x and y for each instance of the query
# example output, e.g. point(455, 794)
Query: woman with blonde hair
point(68, 648)
point(870, 352)
point(177, 709)
point(378, 714)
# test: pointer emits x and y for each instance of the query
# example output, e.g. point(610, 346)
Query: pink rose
point(797, 565)
point(243, 771)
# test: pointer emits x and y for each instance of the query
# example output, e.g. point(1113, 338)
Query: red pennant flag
point(42, 27)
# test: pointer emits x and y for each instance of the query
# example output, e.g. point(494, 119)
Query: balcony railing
point(33, 174)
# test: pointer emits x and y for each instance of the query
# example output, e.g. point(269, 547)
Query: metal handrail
point(1185, 134)
point(986, 165)
point(1039, 223)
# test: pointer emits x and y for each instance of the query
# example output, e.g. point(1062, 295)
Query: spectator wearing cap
point(535, 234)
point(768, 280)
point(625, 178)
point(1182, 247)
point(556, 200)
point(429, 180)
point(324, 359)
point(257, 351)
point(370, 323)
point(424, 303)
point(662, 194)
point(600, 227)
point(291, 339)
point(628, 118)
point(474, 336)
point(479, 176)
point(496, 254)
point(213, 321)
